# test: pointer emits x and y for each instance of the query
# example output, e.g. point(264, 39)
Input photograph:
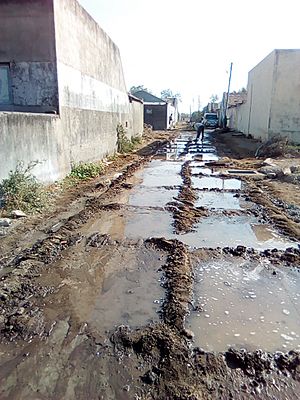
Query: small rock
point(188, 333)
point(5, 222)
point(126, 388)
point(18, 214)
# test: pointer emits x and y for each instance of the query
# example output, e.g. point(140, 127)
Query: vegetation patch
point(85, 171)
point(125, 145)
point(22, 191)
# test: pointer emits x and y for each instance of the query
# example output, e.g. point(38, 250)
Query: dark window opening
point(5, 84)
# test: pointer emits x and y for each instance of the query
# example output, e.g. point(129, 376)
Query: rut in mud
point(176, 281)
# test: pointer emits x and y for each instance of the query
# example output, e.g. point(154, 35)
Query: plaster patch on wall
point(34, 84)
point(81, 91)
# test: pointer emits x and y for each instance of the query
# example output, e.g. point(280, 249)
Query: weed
point(135, 140)
point(124, 144)
point(21, 190)
point(85, 171)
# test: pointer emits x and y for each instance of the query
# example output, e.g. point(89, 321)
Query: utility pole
point(227, 97)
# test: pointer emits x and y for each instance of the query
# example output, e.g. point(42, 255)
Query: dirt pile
point(185, 214)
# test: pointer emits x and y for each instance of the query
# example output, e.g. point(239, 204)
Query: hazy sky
point(187, 45)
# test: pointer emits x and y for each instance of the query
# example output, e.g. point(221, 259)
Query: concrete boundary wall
point(33, 137)
point(88, 89)
point(273, 100)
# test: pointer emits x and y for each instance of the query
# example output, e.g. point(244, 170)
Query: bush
point(21, 190)
point(123, 143)
point(84, 171)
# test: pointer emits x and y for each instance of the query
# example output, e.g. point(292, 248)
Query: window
point(148, 111)
point(5, 84)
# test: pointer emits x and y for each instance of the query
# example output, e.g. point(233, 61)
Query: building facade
point(273, 99)
point(62, 88)
point(160, 113)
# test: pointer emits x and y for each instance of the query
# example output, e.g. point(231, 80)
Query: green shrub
point(84, 171)
point(135, 140)
point(123, 143)
point(21, 190)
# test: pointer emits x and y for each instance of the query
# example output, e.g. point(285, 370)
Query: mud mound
point(274, 147)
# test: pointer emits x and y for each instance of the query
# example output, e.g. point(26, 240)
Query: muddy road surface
point(176, 277)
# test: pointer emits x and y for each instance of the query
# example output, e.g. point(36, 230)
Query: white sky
point(187, 45)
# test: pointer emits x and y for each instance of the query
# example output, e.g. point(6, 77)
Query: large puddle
point(109, 286)
point(246, 305)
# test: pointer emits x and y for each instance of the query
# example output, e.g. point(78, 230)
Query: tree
point(169, 93)
point(214, 98)
point(135, 89)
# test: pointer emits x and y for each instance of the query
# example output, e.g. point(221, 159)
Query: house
point(235, 100)
point(160, 113)
point(273, 100)
point(62, 88)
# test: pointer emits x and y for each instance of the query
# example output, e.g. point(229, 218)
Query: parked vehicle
point(211, 120)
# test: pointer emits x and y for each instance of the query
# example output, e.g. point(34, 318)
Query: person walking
point(200, 131)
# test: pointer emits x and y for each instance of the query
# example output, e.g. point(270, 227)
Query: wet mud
point(173, 280)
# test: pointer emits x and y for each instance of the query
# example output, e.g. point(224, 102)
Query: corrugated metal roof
point(148, 97)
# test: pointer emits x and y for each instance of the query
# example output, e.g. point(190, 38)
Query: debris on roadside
point(273, 147)
point(5, 222)
point(18, 214)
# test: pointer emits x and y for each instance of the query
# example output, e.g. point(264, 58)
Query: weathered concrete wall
point(260, 85)
point(76, 58)
point(273, 101)
point(92, 93)
point(285, 108)
point(28, 47)
point(238, 118)
point(29, 137)
point(136, 125)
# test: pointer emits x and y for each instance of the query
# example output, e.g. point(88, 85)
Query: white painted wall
point(285, 109)
point(273, 102)
point(260, 83)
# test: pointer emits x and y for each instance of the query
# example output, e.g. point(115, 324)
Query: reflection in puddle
point(222, 231)
point(151, 197)
point(161, 173)
point(246, 305)
point(216, 183)
point(227, 201)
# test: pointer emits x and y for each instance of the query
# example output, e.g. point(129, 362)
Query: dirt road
point(174, 276)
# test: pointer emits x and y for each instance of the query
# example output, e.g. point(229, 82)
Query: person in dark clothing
point(200, 131)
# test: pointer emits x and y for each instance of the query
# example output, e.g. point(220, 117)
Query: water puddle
point(222, 231)
point(130, 294)
point(246, 305)
point(216, 183)
point(223, 200)
point(151, 196)
point(108, 286)
point(160, 173)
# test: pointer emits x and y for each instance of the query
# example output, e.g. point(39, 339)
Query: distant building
point(160, 113)
point(235, 99)
point(273, 100)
